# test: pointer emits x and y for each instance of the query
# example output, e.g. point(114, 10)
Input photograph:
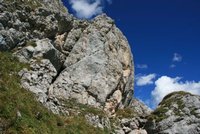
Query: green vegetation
point(193, 112)
point(158, 114)
point(31, 43)
point(83, 109)
point(180, 104)
point(168, 100)
point(126, 113)
point(21, 113)
point(181, 93)
point(14, 100)
point(79, 125)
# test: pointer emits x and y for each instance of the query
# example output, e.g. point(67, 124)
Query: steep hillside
point(81, 71)
point(21, 113)
point(59, 74)
point(89, 61)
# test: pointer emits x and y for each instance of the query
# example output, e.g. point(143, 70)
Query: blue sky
point(164, 36)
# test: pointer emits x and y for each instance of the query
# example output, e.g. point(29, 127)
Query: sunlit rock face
point(86, 62)
point(179, 112)
point(98, 67)
point(89, 61)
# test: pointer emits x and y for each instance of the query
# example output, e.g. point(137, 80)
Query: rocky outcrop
point(98, 69)
point(98, 121)
point(89, 61)
point(22, 21)
point(54, 5)
point(45, 63)
point(132, 119)
point(131, 126)
point(179, 113)
point(139, 107)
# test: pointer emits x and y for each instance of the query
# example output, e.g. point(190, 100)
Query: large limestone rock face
point(89, 61)
point(178, 113)
point(98, 69)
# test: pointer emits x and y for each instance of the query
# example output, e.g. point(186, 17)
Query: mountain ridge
point(77, 73)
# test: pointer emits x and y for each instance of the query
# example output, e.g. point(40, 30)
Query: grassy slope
point(33, 117)
point(159, 113)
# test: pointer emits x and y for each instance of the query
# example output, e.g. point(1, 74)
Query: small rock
point(97, 121)
point(119, 131)
point(19, 114)
point(140, 131)
point(126, 129)
point(133, 125)
point(125, 121)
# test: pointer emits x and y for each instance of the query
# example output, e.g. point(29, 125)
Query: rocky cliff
point(75, 68)
point(89, 61)
point(82, 73)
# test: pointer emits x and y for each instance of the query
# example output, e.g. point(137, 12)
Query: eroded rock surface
point(178, 113)
point(89, 61)
point(131, 126)
point(139, 107)
point(21, 21)
point(132, 119)
point(98, 121)
point(99, 68)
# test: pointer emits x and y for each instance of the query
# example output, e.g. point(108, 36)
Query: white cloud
point(142, 80)
point(87, 8)
point(165, 85)
point(142, 66)
point(177, 57)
